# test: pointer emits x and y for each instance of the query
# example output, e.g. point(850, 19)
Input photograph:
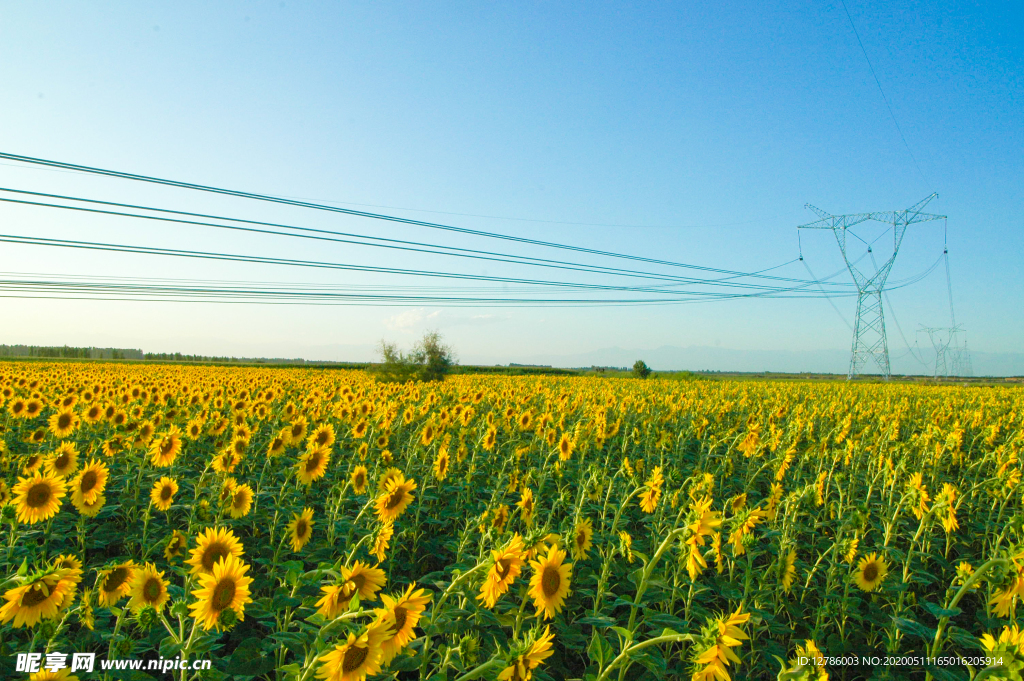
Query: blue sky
point(699, 129)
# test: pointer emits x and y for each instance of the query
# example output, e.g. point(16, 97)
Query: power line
point(208, 255)
point(399, 244)
point(882, 92)
point(356, 213)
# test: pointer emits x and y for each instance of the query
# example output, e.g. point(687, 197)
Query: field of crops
point(304, 524)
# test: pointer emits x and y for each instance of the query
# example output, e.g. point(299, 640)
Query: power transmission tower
point(943, 340)
point(869, 342)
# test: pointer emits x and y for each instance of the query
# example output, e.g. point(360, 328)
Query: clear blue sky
point(709, 125)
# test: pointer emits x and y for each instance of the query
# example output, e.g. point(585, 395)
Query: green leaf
point(623, 632)
point(596, 621)
point(913, 628)
point(945, 673)
point(940, 612)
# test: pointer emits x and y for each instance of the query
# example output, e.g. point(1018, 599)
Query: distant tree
point(429, 360)
point(640, 369)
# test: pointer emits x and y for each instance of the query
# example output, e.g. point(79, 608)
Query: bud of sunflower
point(146, 618)
point(47, 628)
point(204, 510)
point(123, 647)
point(227, 619)
point(9, 514)
point(179, 609)
point(469, 649)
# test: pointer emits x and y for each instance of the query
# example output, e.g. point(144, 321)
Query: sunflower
point(401, 614)
point(18, 409)
point(93, 414)
point(356, 658)
point(47, 674)
point(89, 483)
point(296, 430)
point(507, 565)
point(148, 589)
point(115, 583)
point(33, 463)
point(313, 464)
point(63, 423)
point(322, 436)
point(5, 493)
point(582, 539)
point(93, 509)
point(526, 506)
point(363, 580)
point(549, 584)
point(788, 570)
point(38, 498)
point(226, 588)
point(521, 667)
point(333, 602)
point(165, 449)
point(441, 463)
point(40, 598)
point(162, 495)
point(359, 479)
point(565, 447)
point(871, 570)
point(113, 446)
point(276, 447)
point(380, 542)
point(175, 546)
point(211, 546)
point(395, 499)
point(360, 430)
point(33, 408)
point(63, 461)
point(241, 501)
point(300, 529)
point(145, 433)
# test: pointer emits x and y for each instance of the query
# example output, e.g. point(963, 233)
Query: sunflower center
point(63, 421)
point(400, 616)
point(239, 499)
point(166, 446)
point(213, 553)
point(394, 499)
point(39, 495)
point(115, 579)
point(165, 493)
point(321, 438)
point(358, 580)
point(88, 482)
point(61, 462)
point(152, 590)
point(503, 567)
point(550, 581)
point(354, 658)
point(223, 594)
point(870, 572)
point(33, 596)
point(313, 463)
point(360, 480)
point(301, 528)
point(581, 539)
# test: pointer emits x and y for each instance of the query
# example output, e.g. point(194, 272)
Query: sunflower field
point(301, 524)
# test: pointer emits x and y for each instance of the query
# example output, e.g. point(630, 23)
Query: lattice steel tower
point(869, 343)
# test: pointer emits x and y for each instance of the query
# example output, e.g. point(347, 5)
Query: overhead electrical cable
point(207, 255)
point(347, 211)
point(399, 244)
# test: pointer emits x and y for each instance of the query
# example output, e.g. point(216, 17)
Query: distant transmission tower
point(869, 341)
point(943, 340)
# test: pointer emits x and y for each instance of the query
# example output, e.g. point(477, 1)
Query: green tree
point(640, 369)
point(429, 360)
